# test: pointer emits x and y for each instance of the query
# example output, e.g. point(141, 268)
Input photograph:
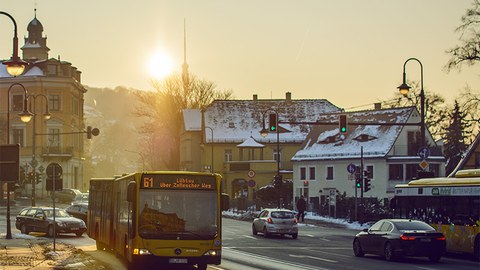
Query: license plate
point(177, 260)
point(425, 240)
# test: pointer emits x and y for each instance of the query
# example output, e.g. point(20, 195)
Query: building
point(57, 140)
point(471, 157)
point(227, 140)
point(385, 142)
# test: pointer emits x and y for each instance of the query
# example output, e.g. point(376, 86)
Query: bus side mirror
point(131, 191)
point(225, 202)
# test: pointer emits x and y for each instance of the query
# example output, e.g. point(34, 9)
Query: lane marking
point(249, 236)
point(311, 257)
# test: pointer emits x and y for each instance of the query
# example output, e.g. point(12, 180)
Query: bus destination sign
point(150, 181)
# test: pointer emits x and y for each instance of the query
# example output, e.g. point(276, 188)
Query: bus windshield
point(177, 214)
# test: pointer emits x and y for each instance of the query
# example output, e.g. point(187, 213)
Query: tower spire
point(185, 76)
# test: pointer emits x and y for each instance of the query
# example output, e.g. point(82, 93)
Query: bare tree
point(163, 109)
point(468, 51)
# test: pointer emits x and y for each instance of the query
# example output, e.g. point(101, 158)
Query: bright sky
point(350, 52)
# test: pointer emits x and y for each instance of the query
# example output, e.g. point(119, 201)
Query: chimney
point(377, 106)
point(288, 96)
point(255, 97)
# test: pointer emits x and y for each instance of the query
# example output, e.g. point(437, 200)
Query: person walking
point(301, 207)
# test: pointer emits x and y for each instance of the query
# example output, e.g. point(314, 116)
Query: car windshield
point(413, 226)
point(58, 213)
point(282, 214)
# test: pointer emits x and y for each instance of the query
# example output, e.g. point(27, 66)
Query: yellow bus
point(450, 204)
point(159, 217)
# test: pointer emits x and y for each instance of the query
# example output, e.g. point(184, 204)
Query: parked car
point(40, 219)
point(393, 238)
point(83, 198)
point(275, 221)
point(78, 210)
point(67, 195)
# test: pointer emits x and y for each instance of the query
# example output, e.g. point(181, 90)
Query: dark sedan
point(40, 219)
point(78, 210)
point(394, 238)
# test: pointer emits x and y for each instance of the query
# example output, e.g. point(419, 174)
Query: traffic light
point(342, 123)
point(39, 178)
point(30, 178)
point(358, 182)
point(272, 121)
point(277, 181)
point(366, 184)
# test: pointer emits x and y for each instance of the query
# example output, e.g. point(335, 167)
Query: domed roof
point(35, 26)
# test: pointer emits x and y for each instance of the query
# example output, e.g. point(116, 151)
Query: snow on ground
point(308, 217)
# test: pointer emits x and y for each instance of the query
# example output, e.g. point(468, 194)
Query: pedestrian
point(301, 207)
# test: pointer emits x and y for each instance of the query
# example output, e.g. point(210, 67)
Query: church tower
point(35, 47)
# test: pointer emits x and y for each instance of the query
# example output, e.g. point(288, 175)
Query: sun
point(160, 65)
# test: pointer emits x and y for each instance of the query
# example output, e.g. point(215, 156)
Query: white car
point(276, 221)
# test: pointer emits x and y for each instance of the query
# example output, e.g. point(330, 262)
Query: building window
point(54, 137)
point(54, 102)
point(18, 137)
point(395, 172)
point(75, 106)
point(303, 173)
point(17, 103)
point(311, 175)
point(412, 171)
point(329, 172)
point(369, 169)
point(228, 155)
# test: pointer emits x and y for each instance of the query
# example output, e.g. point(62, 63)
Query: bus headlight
point(212, 252)
point(141, 251)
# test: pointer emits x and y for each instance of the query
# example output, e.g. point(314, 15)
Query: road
point(320, 246)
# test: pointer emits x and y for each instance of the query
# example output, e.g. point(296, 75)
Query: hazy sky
point(350, 52)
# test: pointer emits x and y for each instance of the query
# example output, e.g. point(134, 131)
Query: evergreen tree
point(454, 138)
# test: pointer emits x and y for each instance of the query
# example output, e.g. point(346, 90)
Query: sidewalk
point(30, 252)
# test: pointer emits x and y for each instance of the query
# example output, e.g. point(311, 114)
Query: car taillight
point(407, 238)
point(269, 220)
point(441, 238)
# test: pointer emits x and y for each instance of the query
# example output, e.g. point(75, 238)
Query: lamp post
point(404, 89)
point(211, 143)
point(34, 162)
point(264, 132)
point(15, 66)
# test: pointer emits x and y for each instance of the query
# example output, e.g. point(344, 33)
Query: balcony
point(57, 152)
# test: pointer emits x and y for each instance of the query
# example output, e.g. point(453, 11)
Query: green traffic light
point(273, 128)
point(344, 129)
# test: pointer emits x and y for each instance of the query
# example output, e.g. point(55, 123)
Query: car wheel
point(434, 258)
point(265, 232)
point(295, 235)
point(388, 252)
point(357, 248)
point(23, 229)
point(50, 231)
point(254, 230)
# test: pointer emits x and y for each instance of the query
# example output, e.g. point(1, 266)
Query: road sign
point(423, 152)
point(54, 170)
point(251, 183)
point(351, 168)
point(423, 164)
point(251, 173)
point(9, 163)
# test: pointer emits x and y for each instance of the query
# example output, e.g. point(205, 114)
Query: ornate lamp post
point(34, 162)
point(15, 66)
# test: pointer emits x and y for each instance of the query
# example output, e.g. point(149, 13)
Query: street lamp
point(15, 66)
point(404, 89)
point(211, 143)
point(25, 115)
point(46, 116)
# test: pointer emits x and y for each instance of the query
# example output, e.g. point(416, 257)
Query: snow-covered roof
point(192, 119)
point(325, 141)
point(250, 143)
point(236, 120)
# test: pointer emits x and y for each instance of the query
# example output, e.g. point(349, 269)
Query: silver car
point(275, 221)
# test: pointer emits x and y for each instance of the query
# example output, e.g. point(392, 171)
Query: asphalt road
point(320, 246)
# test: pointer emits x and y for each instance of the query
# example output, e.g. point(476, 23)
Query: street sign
point(423, 164)
point(9, 163)
point(251, 183)
point(351, 168)
point(423, 152)
point(251, 173)
point(54, 170)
